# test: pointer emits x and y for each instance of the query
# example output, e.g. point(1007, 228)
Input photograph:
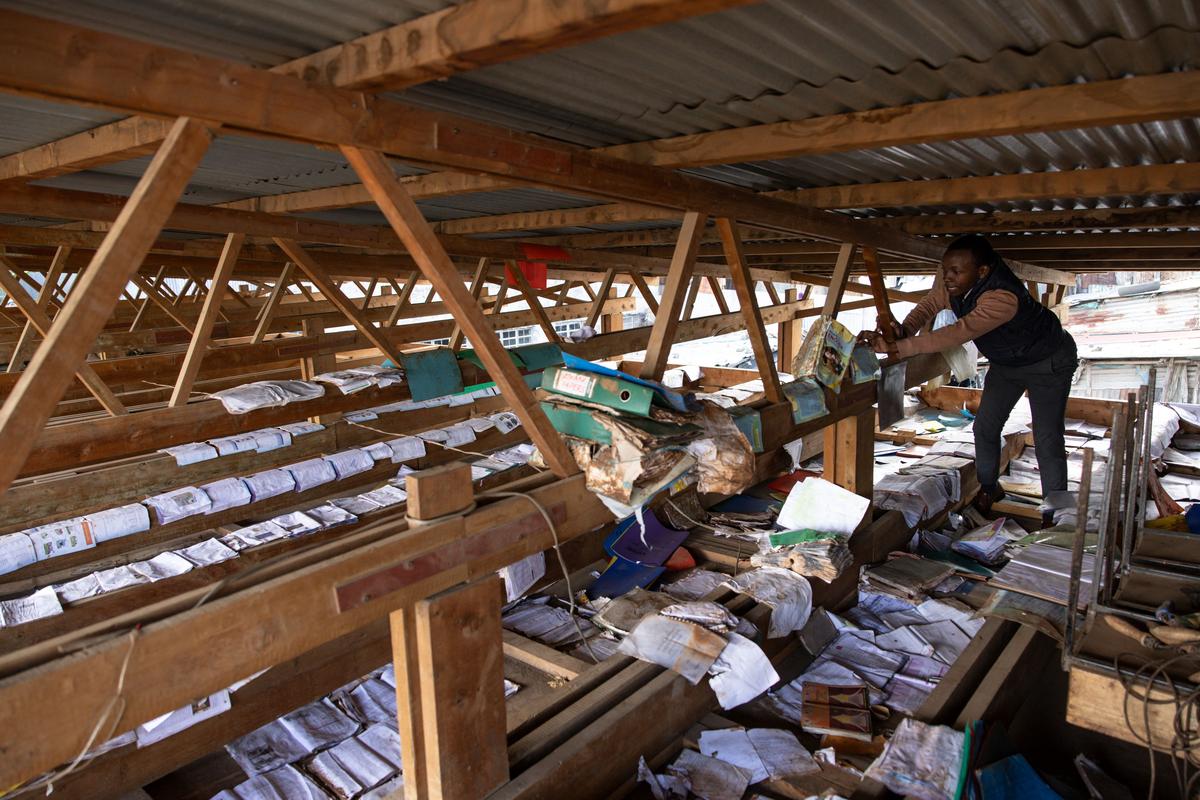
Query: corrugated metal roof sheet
point(769, 62)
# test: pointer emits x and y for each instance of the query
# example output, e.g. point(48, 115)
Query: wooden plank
point(679, 276)
point(267, 313)
point(154, 295)
point(542, 658)
point(837, 284)
point(1105, 182)
point(439, 492)
point(1099, 702)
point(954, 690)
point(145, 304)
point(718, 293)
point(850, 454)
point(403, 297)
point(406, 660)
point(49, 283)
point(463, 721)
point(321, 279)
point(1005, 686)
point(744, 287)
point(208, 315)
point(1080, 105)
point(411, 226)
point(117, 141)
point(86, 375)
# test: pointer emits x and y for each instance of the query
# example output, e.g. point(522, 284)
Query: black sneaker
point(987, 497)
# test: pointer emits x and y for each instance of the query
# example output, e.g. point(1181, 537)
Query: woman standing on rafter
point(1026, 347)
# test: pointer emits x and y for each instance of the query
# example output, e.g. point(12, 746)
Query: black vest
point(1032, 334)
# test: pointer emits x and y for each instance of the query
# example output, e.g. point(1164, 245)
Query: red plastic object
point(681, 559)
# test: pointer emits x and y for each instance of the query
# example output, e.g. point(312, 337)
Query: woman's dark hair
point(978, 246)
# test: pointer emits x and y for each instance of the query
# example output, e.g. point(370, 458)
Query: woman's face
point(960, 272)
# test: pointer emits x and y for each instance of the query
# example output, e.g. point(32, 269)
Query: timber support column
point(850, 453)
point(449, 658)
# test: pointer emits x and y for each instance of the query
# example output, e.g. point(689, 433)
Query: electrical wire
point(562, 562)
point(1141, 685)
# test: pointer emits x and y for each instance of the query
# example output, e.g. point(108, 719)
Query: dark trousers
point(1048, 382)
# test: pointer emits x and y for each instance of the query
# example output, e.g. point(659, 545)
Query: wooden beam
point(744, 287)
point(420, 240)
point(693, 292)
point(837, 284)
point(481, 269)
point(20, 350)
point(267, 313)
point(403, 298)
point(145, 304)
point(1073, 219)
point(718, 293)
point(679, 276)
point(850, 453)
point(1078, 105)
point(329, 288)
point(41, 323)
point(462, 715)
point(116, 141)
point(1071, 183)
point(67, 343)
point(208, 315)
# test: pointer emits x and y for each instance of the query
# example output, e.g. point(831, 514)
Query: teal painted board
point(432, 373)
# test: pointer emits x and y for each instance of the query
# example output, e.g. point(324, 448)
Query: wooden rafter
point(644, 290)
point(601, 297)
point(25, 342)
point(66, 344)
point(420, 240)
point(534, 303)
point(267, 313)
point(477, 280)
point(837, 284)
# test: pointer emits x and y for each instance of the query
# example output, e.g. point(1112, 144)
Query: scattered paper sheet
point(163, 565)
point(311, 472)
point(946, 638)
point(789, 595)
point(285, 783)
point(385, 496)
point(357, 505)
point(297, 523)
point(663, 787)
point(266, 394)
point(178, 504)
point(113, 523)
point(271, 483)
point(350, 462)
point(921, 761)
point(763, 753)
point(406, 448)
point(371, 700)
point(191, 453)
point(695, 585)
point(379, 451)
point(235, 443)
point(480, 424)
point(253, 535)
point(330, 515)
point(207, 553)
point(688, 649)
point(78, 589)
point(713, 616)
point(302, 428)
point(117, 578)
point(268, 439)
point(59, 538)
point(823, 506)
point(547, 624)
point(19, 610)
point(181, 719)
point(16, 551)
point(225, 494)
point(741, 673)
point(349, 768)
point(520, 577)
point(710, 778)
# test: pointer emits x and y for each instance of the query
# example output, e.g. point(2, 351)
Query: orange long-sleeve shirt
point(993, 309)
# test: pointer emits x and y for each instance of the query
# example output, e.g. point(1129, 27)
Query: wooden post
point(449, 660)
point(850, 453)
point(647, 295)
point(693, 292)
point(790, 335)
point(145, 304)
point(679, 276)
point(402, 298)
point(731, 241)
point(611, 323)
point(208, 315)
point(534, 303)
point(837, 285)
point(83, 316)
point(48, 285)
point(420, 240)
point(318, 363)
point(268, 309)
